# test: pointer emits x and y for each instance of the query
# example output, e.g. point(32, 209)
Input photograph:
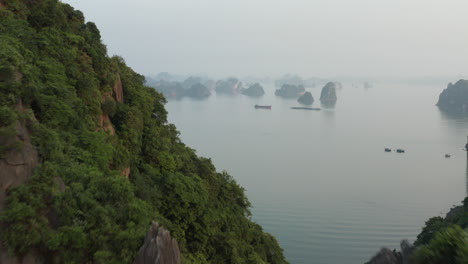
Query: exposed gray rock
point(455, 98)
point(406, 251)
point(306, 99)
point(159, 247)
point(16, 167)
point(385, 256)
point(328, 93)
point(255, 90)
point(290, 91)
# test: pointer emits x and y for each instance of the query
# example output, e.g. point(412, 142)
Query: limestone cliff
point(159, 247)
point(17, 164)
point(16, 167)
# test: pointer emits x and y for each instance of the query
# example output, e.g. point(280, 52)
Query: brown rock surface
point(106, 124)
point(118, 90)
point(125, 172)
point(159, 247)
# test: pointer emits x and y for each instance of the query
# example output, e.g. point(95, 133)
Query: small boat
point(387, 150)
point(305, 108)
point(263, 106)
point(447, 155)
point(400, 150)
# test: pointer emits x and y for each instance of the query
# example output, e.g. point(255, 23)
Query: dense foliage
point(444, 240)
point(78, 207)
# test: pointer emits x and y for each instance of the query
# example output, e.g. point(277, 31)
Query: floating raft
point(305, 108)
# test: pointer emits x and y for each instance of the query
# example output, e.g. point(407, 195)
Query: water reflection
point(328, 105)
point(452, 115)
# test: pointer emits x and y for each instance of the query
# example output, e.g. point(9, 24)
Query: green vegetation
point(444, 240)
point(78, 207)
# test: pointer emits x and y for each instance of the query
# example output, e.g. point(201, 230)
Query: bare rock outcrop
point(118, 90)
point(16, 167)
point(387, 256)
point(159, 247)
point(126, 172)
point(18, 164)
point(105, 124)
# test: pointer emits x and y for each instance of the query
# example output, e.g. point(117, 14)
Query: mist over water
point(320, 181)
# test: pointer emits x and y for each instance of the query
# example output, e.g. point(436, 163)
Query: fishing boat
point(400, 150)
point(447, 155)
point(388, 150)
point(263, 106)
point(305, 108)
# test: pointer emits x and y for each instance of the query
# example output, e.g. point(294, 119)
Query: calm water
point(320, 181)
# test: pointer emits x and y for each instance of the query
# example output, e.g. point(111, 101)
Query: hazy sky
point(402, 38)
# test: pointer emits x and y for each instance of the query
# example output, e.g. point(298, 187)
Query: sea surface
point(320, 181)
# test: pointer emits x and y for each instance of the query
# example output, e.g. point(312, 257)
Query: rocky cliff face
point(455, 98)
point(159, 247)
point(328, 93)
point(118, 90)
point(16, 167)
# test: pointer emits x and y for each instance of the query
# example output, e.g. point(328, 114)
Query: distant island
point(306, 99)
point(328, 94)
point(255, 90)
point(198, 90)
point(230, 86)
point(298, 80)
point(193, 87)
point(290, 91)
point(454, 98)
